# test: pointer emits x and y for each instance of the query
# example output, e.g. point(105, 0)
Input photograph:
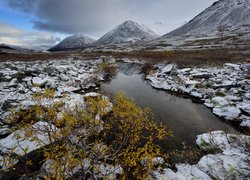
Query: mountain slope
point(7, 48)
point(76, 41)
point(226, 21)
point(127, 32)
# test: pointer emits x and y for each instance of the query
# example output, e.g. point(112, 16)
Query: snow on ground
point(231, 161)
point(224, 89)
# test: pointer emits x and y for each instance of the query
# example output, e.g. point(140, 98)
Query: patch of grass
point(108, 69)
point(147, 68)
point(247, 77)
point(219, 93)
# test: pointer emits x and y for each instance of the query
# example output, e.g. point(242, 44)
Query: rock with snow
point(4, 131)
point(245, 121)
point(245, 107)
point(233, 66)
point(231, 161)
point(107, 171)
point(158, 161)
point(227, 112)
point(196, 94)
point(168, 69)
point(219, 101)
point(18, 144)
point(37, 80)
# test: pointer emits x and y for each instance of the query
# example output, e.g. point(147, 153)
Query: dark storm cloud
point(98, 16)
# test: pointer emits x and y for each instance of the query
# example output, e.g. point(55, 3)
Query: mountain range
point(224, 23)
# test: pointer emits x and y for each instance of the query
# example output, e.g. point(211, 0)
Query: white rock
point(5, 131)
point(232, 66)
point(219, 101)
point(227, 112)
point(247, 95)
point(108, 171)
point(244, 106)
point(245, 121)
point(232, 163)
point(168, 174)
point(37, 80)
point(158, 161)
point(195, 172)
point(91, 94)
point(18, 145)
point(196, 94)
point(220, 166)
point(232, 98)
point(167, 69)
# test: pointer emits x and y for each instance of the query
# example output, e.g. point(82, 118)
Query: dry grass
point(181, 57)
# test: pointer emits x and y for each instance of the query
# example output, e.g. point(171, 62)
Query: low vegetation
point(180, 57)
point(88, 137)
point(108, 69)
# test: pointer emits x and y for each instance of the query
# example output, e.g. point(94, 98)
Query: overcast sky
point(46, 22)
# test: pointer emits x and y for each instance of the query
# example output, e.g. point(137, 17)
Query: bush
point(84, 139)
point(147, 68)
point(108, 69)
point(219, 93)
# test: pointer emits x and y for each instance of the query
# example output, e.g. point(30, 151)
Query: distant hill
point(76, 41)
point(7, 48)
point(226, 22)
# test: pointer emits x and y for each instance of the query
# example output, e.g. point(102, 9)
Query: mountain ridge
point(227, 18)
point(76, 41)
point(127, 32)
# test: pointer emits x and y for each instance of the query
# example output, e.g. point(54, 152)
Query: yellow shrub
point(126, 138)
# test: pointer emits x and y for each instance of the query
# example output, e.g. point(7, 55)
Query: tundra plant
point(93, 138)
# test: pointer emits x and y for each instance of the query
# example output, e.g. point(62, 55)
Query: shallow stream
point(185, 118)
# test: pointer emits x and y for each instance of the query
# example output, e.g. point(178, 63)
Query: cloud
point(12, 35)
point(96, 17)
point(24, 5)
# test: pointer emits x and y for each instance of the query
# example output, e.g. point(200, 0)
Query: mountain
point(127, 32)
point(8, 48)
point(226, 22)
point(76, 41)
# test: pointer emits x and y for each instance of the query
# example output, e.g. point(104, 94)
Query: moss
point(247, 77)
point(219, 93)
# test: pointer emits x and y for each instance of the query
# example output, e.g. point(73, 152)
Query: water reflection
point(184, 118)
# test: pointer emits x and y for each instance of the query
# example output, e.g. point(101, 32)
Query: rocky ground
point(18, 81)
point(226, 90)
point(228, 158)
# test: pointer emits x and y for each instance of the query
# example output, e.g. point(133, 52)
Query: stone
point(227, 112)
point(38, 80)
point(17, 146)
point(4, 131)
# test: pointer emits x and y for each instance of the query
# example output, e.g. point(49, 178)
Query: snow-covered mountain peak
point(128, 31)
point(76, 41)
point(223, 20)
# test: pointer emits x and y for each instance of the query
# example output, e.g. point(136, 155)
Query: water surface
point(184, 118)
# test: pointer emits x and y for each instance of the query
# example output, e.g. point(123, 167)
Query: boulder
point(227, 112)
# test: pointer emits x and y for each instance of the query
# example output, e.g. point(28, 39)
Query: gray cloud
point(96, 17)
point(26, 5)
point(12, 35)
